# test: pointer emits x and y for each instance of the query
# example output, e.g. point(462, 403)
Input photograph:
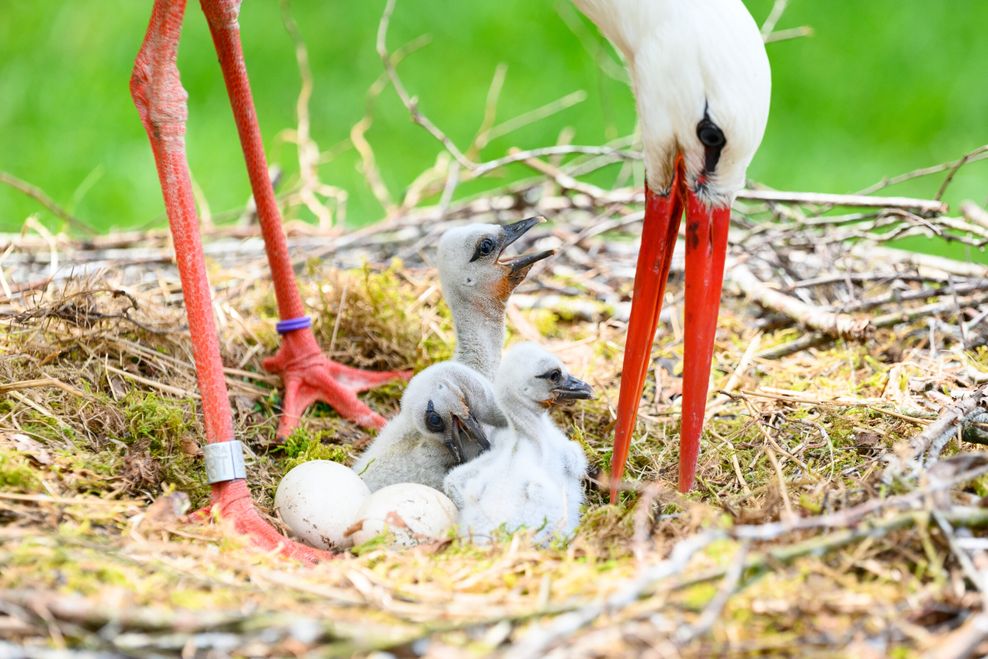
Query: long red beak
point(706, 248)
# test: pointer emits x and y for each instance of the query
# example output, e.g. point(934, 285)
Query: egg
point(413, 513)
point(319, 500)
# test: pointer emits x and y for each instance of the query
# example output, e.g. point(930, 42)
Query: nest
point(841, 489)
point(840, 499)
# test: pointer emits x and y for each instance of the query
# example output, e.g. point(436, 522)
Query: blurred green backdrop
point(882, 87)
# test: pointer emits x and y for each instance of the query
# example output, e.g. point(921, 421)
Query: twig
point(790, 34)
point(888, 320)
point(964, 641)
point(927, 206)
point(308, 150)
point(935, 435)
point(924, 293)
point(407, 100)
point(558, 150)
point(778, 8)
point(974, 214)
point(714, 608)
point(535, 643)
point(837, 325)
point(975, 155)
point(36, 193)
point(476, 169)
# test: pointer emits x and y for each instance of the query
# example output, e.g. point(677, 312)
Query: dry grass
point(99, 458)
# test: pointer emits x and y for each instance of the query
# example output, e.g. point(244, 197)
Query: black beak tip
point(521, 264)
point(574, 389)
point(512, 232)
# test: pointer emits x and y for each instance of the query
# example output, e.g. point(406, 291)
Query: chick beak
point(454, 442)
point(469, 426)
point(517, 268)
point(572, 389)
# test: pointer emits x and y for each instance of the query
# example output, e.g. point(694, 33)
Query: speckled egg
point(413, 513)
point(319, 500)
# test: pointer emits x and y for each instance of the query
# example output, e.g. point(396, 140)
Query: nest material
point(832, 509)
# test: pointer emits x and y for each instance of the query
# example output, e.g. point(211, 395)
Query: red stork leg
point(663, 213)
point(160, 100)
point(308, 375)
point(706, 248)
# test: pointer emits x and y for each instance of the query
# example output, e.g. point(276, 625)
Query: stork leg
point(307, 374)
point(161, 103)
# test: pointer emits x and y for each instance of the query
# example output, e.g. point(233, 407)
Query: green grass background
point(882, 87)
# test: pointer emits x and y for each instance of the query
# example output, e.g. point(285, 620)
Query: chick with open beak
point(441, 423)
point(477, 280)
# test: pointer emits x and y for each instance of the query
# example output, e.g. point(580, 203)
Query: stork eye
point(553, 376)
point(433, 421)
point(484, 248)
point(713, 140)
point(710, 134)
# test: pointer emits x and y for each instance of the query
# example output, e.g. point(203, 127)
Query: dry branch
point(926, 206)
point(36, 193)
point(837, 325)
point(938, 433)
point(964, 641)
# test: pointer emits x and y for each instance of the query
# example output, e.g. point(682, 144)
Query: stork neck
point(479, 336)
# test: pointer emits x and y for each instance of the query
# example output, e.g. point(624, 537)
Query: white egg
point(319, 500)
point(413, 513)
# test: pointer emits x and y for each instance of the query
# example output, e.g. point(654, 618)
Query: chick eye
point(433, 421)
point(484, 248)
point(553, 376)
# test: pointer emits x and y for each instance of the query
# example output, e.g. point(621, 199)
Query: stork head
point(447, 402)
point(530, 377)
point(472, 269)
point(702, 83)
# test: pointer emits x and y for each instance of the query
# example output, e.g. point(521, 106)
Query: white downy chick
point(440, 420)
point(533, 475)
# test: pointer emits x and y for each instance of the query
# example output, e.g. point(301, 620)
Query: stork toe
point(359, 380)
point(234, 503)
point(309, 376)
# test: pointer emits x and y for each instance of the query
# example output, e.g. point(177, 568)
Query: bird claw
point(309, 376)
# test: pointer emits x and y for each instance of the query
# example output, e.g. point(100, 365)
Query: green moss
point(381, 318)
point(159, 420)
point(303, 446)
point(545, 321)
point(696, 597)
point(16, 473)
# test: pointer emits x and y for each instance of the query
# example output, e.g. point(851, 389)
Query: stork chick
point(440, 420)
point(476, 283)
point(532, 476)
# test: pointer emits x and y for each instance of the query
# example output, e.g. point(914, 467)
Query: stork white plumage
point(702, 84)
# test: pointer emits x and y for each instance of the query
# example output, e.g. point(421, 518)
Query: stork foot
point(232, 500)
point(309, 376)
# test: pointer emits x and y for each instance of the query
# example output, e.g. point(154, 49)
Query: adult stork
point(307, 374)
point(702, 83)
